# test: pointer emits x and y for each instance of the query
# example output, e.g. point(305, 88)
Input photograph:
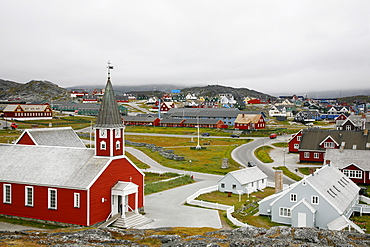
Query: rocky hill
point(169, 237)
point(32, 91)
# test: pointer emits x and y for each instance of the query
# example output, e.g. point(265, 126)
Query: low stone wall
point(169, 154)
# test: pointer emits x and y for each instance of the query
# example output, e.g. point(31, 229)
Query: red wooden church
point(49, 175)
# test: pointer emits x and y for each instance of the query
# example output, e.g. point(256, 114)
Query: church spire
point(109, 115)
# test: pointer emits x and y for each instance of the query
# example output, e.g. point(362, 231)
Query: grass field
point(262, 153)
point(245, 208)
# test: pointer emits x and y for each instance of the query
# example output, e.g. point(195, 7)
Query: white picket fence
point(229, 209)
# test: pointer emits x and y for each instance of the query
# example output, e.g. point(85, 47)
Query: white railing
point(229, 209)
point(365, 199)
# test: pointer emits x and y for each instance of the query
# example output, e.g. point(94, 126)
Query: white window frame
point(307, 155)
point(329, 144)
point(299, 138)
point(316, 155)
point(234, 186)
point(76, 200)
point(103, 145)
point(315, 200)
point(357, 174)
point(28, 199)
point(293, 197)
point(285, 212)
point(118, 145)
point(7, 190)
point(296, 145)
point(52, 202)
point(222, 185)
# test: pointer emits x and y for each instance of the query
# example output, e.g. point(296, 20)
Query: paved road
point(166, 207)
point(245, 153)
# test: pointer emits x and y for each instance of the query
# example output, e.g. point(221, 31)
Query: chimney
point(327, 162)
point(278, 181)
point(366, 132)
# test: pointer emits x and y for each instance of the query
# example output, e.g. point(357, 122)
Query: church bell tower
point(109, 127)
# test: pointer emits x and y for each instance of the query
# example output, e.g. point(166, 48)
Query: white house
point(245, 181)
point(325, 199)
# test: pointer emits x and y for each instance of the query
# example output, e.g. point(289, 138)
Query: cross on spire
point(109, 67)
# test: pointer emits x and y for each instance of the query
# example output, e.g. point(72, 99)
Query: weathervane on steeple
point(109, 67)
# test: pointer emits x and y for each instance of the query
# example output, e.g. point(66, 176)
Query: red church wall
point(117, 152)
point(118, 170)
point(65, 212)
point(26, 140)
point(99, 139)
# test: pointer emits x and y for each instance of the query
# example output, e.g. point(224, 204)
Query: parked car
point(234, 136)
point(205, 134)
point(273, 136)
point(251, 163)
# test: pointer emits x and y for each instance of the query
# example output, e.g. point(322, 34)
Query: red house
point(315, 142)
point(249, 122)
point(22, 112)
point(142, 120)
point(75, 185)
point(293, 143)
point(353, 163)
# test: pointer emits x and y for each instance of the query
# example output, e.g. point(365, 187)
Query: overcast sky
point(269, 46)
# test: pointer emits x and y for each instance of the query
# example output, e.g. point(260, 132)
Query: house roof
point(109, 116)
point(201, 121)
point(247, 118)
point(63, 137)
point(311, 139)
point(325, 182)
point(172, 121)
point(346, 157)
point(149, 119)
point(38, 165)
point(328, 180)
point(248, 175)
point(26, 108)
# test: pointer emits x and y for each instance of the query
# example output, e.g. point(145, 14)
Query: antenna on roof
point(109, 67)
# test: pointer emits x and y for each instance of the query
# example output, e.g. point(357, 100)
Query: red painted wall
point(118, 170)
point(117, 152)
point(311, 157)
point(365, 175)
point(65, 211)
point(26, 140)
point(293, 141)
point(98, 139)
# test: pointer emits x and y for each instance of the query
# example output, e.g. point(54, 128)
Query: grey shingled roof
point(248, 175)
point(38, 165)
point(311, 138)
point(63, 137)
point(201, 121)
point(149, 119)
point(109, 116)
point(326, 179)
point(343, 158)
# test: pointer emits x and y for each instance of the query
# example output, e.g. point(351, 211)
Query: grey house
point(324, 199)
point(245, 181)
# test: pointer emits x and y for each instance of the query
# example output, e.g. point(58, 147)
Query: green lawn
point(263, 154)
point(288, 173)
point(245, 207)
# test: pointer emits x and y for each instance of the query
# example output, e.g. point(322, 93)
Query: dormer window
point(329, 145)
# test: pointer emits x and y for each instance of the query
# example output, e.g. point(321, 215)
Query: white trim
point(10, 193)
point(76, 200)
point(55, 207)
point(88, 208)
point(285, 212)
point(331, 138)
point(26, 196)
point(293, 197)
point(313, 201)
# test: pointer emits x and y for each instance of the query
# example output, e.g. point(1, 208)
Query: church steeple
point(109, 127)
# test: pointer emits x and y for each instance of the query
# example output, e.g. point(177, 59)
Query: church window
point(52, 199)
point(7, 193)
point(29, 196)
point(103, 145)
point(76, 200)
point(118, 145)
